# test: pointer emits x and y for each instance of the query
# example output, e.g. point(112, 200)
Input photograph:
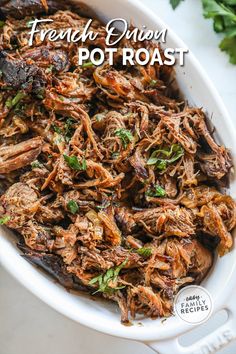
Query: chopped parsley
point(89, 64)
point(11, 102)
point(74, 163)
point(161, 158)
point(49, 69)
point(40, 94)
point(144, 251)
point(125, 136)
point(157, 191)
point(153, 83)
point(69, 129)
point(107, 281)
point(73, 206)
point(4, 219)
point(36, 164)
point(57, 129)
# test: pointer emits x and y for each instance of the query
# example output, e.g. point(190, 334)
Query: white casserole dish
point(103, 316)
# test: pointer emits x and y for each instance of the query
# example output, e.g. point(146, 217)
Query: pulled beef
point(20, 75)
point(110, 180)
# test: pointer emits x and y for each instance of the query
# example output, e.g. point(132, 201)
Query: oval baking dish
point(102, 316)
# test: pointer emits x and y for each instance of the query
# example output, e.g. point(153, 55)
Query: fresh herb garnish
point(73, 206)
point(175, 3)
point(40, 93)
point(74, 163)
point(69, 129)
point(36, 164)
point(223, 14)
point(57, 129)
point(11, 102)
point(153, 83)
point(49, 69)
point(107, 281)
point(161, 158)
point(87, 65)
point(144, 251)
point(29, 23)
point(2, 23)
point(99, 117)
point(115, 155)
point(125, 136)
point(4, 219)
point(157, 191)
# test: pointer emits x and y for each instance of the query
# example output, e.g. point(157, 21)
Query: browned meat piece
point(16, 156)
point(125, 220)
point(177, 262)
point(157, 306)
point(21, 8)
point(201, 259)
point(20, 203)
point(166, 222)
point(120, 254)
point(36, 236)
point(215, 226)
point(138, 163)
point(44, 57)
point(216, 165)
point(20, 75)
point(54, 266)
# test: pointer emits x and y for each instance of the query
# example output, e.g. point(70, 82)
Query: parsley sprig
point(156, 191)
point(144, 252)
point(73, 162)
point(223, 14)
point(12, 101)
point(125, 136)
point(107, 281)
point(4, 219)
point(72, 206)
point(165, 156)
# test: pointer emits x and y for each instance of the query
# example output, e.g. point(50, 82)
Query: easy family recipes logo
point(97, 56)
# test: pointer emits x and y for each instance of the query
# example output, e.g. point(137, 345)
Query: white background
point(28, 326)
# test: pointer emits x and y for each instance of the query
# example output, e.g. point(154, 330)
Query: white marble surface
point(28, 326)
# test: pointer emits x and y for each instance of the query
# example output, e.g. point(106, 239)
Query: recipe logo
point(193, 304)
point(141, 56)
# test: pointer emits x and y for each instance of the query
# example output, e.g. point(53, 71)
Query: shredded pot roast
point(112, 183)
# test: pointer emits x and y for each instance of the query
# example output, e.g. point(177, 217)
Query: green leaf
point(36, 164)
point(175, 3)
point(4, 219)
point(228, 45)
point(164, 156)
point(125, 136)
point(57, 129)
point(69, 128)
point(87, 65)
point(219, 24)
point(74, 163)
point(144, 251)
point(73, 206)
point(153, 83)
point(104, 280)
point(49, 69)
point(2, 23)
point(157, 191)
point(11, 102)
point(212, 9)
